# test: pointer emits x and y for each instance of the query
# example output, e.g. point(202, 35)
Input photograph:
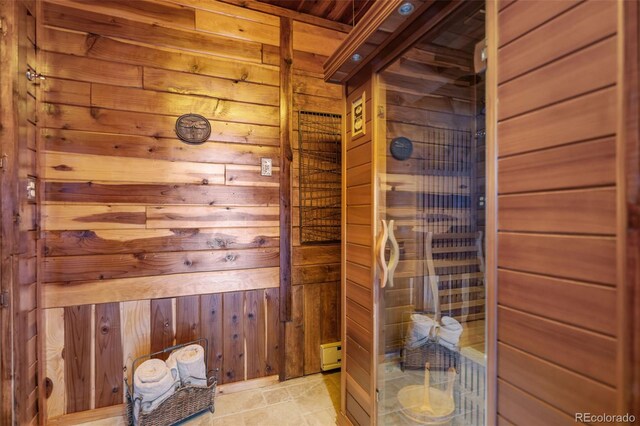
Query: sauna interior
point(319, 212)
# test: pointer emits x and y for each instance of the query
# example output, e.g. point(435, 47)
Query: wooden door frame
point(8, 195)
point(628, 208)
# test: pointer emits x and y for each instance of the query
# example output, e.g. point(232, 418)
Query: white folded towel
point(450, 331)
point(148, 406)
point(422, 329)
point(191, 366)
point(153, 383)
point(172, 363)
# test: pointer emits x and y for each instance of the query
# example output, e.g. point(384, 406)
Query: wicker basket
point(186, 402)
point(438, 357)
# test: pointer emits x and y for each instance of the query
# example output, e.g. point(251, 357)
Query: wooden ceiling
point(343, 11)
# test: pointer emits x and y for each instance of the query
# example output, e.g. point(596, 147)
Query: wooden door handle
point(380, 246)
point(395, 254)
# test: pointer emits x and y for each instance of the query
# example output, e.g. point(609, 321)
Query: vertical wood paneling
point(108, 353)
point(77, 356)
point(162, 325)
point(136, 333)
point(255, 333)
point(294, 337)
point(286, 157)
point(211, 321)
point(234, 350)
point(272, 331)
point(55, 363)
point(187, 319)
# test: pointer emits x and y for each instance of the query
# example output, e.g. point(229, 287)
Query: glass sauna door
point(430, 223)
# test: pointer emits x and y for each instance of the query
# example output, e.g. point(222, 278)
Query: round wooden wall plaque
point(193, 129)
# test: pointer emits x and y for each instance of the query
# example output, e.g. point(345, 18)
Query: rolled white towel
point(148, 406)
point(450, 331)
point(422, 328)
point(191, 366)
point(152, 379)
point(172, 363)
point(448, 345)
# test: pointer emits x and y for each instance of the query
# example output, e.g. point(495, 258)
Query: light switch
point(266, 166)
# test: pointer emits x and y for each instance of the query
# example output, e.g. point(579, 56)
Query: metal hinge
point(3, 161)
point(4, 299)
point(3, 27)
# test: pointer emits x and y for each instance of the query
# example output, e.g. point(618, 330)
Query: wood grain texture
point(65, 217)
point(571, 302)
point(108, 353)
point(233, 361)
point(518, 406)
point(187, 319)
point(559, 124)
point(273, 326)
point(55, 364)
point(591, 211)
point(84, 268)
point(153, 194)
point(69, 166)
point(126, 289)
point(96, 46)
point(122, 190)
point(136, 333)
point(211, 322)
point(566, 346)
point(77, 356)
point(525, 16)
point(83, 20)
point(162, 326)
point(293, 365)
point(560, 80)
point(570, 392)
point(593, 20)
point(582, 258)
point(211, 217)
point(69, 243)
point(286, 157)
point(572, 166)
point(255, 333)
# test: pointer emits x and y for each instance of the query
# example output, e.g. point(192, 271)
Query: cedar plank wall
point(20, 260)
point(149, 241)
point(358, 333)
point(557, 323)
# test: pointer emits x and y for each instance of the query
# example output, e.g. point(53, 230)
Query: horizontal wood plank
point(156, 287)
point(68, 166)
point(572, 166)
point(583, 305)
point(584, 352)
point(110, 266)
point(211, 217)
point(590, 211)
point(70, 243)
point(581, 258)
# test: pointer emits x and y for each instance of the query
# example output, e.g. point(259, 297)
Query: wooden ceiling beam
point(287, 13)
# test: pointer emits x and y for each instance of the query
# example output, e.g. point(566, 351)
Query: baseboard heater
point(330, 356)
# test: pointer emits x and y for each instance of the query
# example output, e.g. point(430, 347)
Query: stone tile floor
point(311, 400)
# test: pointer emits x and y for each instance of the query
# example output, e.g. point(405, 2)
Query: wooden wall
point(18, 123)
point(315, 268)
point(151, 242)
point(560, 322)
point(358, 245)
